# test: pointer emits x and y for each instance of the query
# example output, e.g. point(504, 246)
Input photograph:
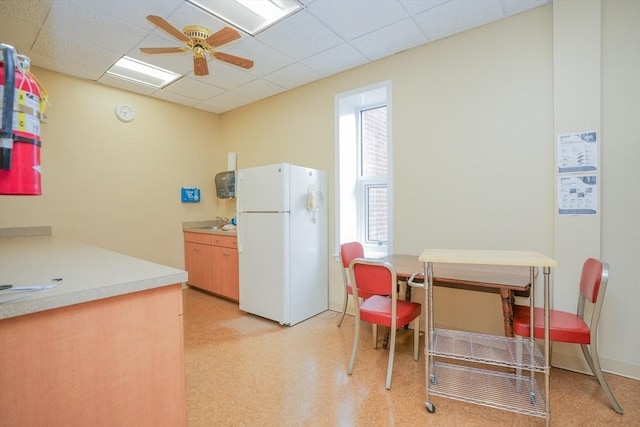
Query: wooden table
point(507, 281)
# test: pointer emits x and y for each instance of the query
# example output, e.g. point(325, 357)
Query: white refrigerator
point(282, 242)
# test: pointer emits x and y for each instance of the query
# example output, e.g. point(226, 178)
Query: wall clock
point(125, 112)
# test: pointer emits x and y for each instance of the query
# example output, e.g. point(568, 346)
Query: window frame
point(348, 132)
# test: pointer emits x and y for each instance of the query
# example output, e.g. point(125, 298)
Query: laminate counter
point(88, 273)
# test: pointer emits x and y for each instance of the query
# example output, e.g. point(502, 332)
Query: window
point(363, 161)
point(373, 174)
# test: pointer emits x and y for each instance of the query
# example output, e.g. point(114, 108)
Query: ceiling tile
point(417, 6)
point(392, 39)
point(517, 6)
point(60, 52)
point(293, 76)
point(175, 98)
point(258, 89)
point(74, 20)
point(299, 36)
point(335, 60)
point(13, 13)
point(192, 88)
point(225, 102)
point(354, 18)
point(132, 12)
point(457, 16)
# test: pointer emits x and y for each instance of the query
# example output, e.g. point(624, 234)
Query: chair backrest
point(349, 251)
point(591, 279)
point(593, 284)
point(373, 277)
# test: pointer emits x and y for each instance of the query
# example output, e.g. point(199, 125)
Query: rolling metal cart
point(456, 373)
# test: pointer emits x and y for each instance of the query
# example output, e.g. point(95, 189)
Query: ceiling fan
point(200, 41)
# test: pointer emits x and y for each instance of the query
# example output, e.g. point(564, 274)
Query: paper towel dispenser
point(226, 185)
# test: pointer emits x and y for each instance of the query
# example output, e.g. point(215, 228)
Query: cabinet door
point(198, 263)
point(225, 272)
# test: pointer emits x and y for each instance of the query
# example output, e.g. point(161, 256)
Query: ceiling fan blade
point(200, 67)
point(223, 36)
point(168, 28)
point(153, 50)
point(235, 60)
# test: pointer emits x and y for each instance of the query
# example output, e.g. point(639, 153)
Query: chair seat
point(563, 326)
point(377, 309)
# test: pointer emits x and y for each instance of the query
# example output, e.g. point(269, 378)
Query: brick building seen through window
point(373, 176)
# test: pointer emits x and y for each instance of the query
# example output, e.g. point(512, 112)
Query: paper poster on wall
point(577, 195)
point(578, 152)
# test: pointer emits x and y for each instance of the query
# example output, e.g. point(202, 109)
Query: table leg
point(507, 311)
point(407, 295)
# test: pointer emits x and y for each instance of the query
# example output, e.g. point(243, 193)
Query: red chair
point(378, 280)
point(348, 251)
point(572, 328)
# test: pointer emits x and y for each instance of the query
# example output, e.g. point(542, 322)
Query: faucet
point(222, 221)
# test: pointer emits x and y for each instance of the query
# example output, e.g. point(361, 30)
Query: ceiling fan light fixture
point(136, 71)
point(250, 16)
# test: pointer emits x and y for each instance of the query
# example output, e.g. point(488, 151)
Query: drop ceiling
point(83, 38)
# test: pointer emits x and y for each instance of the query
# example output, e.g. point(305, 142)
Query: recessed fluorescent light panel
point(250, 16)
point(140, 72)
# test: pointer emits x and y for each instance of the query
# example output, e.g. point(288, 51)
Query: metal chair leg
point(356, 338)
point(594, 363)
point(344, 309)
point(392, 349)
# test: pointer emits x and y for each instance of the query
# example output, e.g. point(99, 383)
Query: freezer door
point(263, 189)
point(264, 254)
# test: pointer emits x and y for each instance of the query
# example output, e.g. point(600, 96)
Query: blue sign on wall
point(190, 195)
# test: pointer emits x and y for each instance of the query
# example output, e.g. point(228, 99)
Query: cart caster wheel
point(533, 399)
point(431, 408)
point(434, 379)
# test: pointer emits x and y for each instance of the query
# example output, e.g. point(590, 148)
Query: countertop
point(88, 273)
point(205, 227)
point(210, 231)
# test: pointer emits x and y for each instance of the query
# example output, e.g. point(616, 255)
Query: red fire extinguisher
point(22, 109)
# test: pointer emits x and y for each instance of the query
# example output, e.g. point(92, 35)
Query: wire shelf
point(499, 390)
point(489, 349)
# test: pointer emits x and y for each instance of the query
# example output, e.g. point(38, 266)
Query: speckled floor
point(242, 370)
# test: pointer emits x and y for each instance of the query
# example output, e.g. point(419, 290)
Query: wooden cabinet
point(225, 266)
point(212, 263)
point(116, 361)
point(198, 260)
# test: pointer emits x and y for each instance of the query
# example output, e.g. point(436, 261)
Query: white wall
point(619, 344)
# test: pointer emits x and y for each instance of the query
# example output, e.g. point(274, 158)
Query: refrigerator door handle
point(239, 233)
